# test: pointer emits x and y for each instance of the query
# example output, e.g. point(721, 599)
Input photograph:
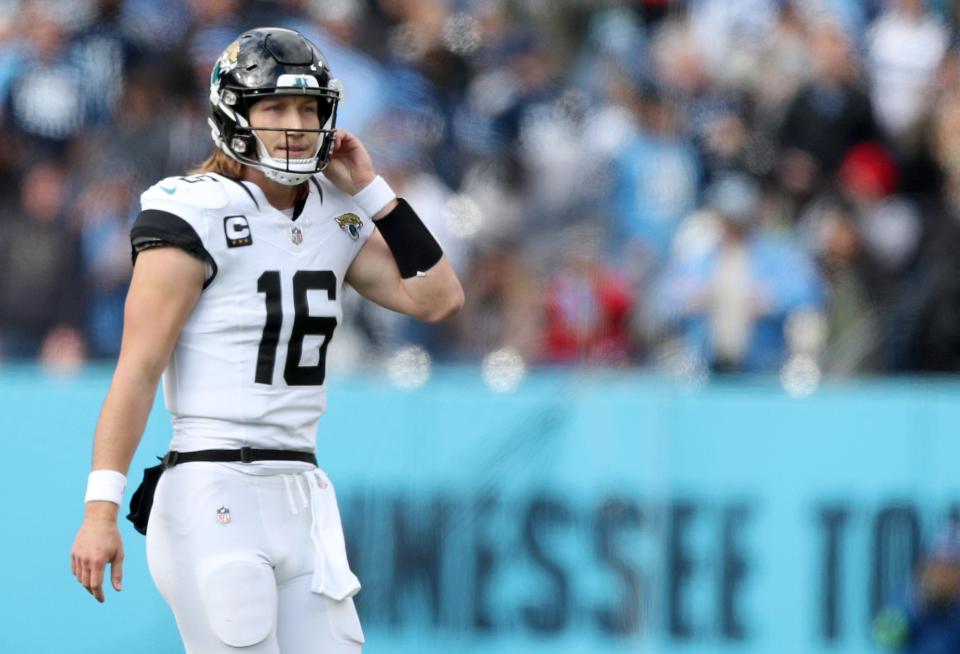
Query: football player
point(238, 276)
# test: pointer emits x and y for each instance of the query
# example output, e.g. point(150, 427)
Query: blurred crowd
point(699, 186)
point(925, 618)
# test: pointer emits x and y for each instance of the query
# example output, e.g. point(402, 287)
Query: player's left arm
point(431, 295)
point(401, 266)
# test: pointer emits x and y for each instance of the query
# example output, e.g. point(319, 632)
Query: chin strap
point(282, 177)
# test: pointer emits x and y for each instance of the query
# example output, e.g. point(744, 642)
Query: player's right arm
point(166, 285)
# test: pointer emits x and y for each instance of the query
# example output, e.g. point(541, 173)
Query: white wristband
point(105, 485)
point(374, 196)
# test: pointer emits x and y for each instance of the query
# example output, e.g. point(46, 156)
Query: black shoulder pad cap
point(154, 228)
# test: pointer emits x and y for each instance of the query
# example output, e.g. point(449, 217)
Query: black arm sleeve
point(154, 228)
point(411, 243)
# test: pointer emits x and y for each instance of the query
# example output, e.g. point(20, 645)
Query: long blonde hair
point(218, 162)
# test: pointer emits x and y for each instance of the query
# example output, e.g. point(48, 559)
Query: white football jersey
point(248, 368)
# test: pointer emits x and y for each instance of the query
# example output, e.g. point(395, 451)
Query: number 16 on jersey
point(303, 325)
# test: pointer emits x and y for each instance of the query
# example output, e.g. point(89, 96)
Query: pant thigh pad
point(240, 599)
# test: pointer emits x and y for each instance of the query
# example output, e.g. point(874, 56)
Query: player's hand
point(98, 543)
point(351, 168)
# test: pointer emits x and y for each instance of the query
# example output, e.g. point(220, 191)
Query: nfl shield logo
point(223, 515)
point(296, 236)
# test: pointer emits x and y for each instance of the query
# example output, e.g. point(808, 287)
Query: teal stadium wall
point(580, 514)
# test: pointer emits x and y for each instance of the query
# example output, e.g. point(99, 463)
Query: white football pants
point(253, 562)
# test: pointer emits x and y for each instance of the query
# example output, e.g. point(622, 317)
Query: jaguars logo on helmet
point(263, 62)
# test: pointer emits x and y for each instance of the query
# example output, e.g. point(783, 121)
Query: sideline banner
point(594, 514)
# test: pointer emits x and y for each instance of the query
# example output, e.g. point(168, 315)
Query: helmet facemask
point(286, 170)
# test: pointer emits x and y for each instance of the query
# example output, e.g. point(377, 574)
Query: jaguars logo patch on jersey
point(350, 223)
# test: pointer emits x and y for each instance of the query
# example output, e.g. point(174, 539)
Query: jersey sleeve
point(174, 213)
point(364, 225)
